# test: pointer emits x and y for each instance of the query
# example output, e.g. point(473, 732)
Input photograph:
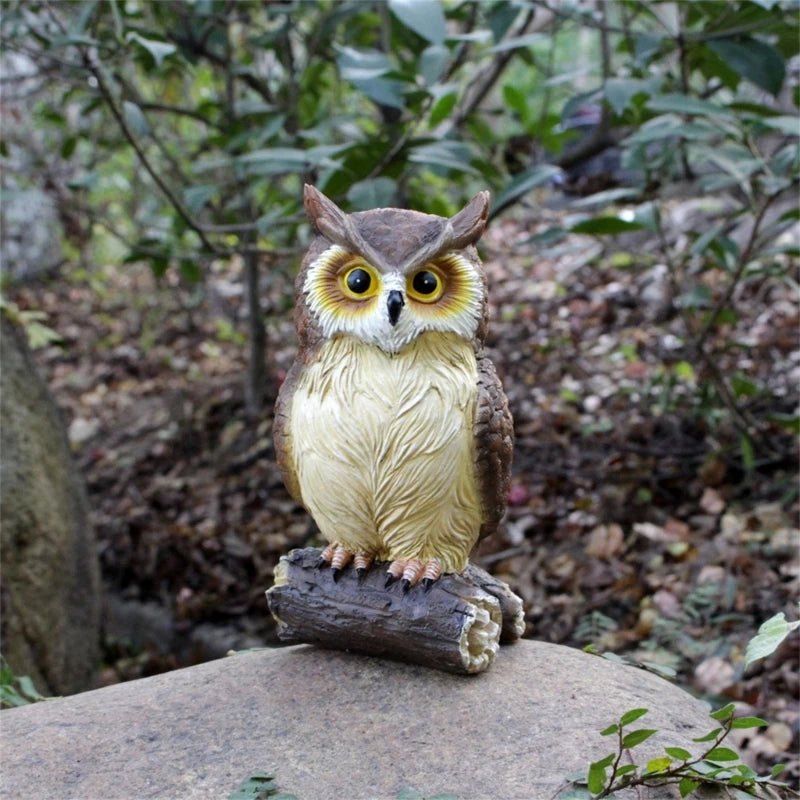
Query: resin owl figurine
point(392, 428)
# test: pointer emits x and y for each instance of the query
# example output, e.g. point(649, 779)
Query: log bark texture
point(457, 625)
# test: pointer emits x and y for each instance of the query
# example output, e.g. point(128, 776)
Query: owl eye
point(359, 283)
point(426, 286)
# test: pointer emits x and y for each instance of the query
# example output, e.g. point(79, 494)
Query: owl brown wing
point(494, 443)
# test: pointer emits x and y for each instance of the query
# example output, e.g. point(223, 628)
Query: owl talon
point(413, 572)
point(341, 558)
point(406, 584)
point(336, 573)
point(427, 583)
point(390, 579)
point(325, 556)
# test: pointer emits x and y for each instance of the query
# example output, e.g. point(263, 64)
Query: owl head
point(387, 275)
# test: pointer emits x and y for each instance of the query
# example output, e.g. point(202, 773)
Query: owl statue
point(392, 428)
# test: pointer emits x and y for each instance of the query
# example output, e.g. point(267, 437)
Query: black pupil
point(358, 281)
point(425, 282)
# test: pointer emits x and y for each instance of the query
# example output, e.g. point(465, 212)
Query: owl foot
point(325, 556)
point(361, 562)
point(412, 570)
point(337, 557)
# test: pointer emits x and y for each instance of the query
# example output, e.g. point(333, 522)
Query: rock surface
point(336, 725)
point(50, 581)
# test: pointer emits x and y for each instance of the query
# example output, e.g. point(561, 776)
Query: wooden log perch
point(457, 625)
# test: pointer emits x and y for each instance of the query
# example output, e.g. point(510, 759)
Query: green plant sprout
point(260, 786)
point(715, 765)
point(16, 690)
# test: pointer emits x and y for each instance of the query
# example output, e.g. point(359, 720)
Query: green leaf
point(424, 17)
point(722, 754)
point(769, 637)
point(620, 91)
point(686, 786)
point(747, 451)
point(433, 62)
point(698, 296)
point(596, 779)
point(684, 104)
point(195, 197)
point(442, 108)
point(382, 91)
point(784, 124)
point(600, 226)
point(523, 183)
point(611, 728)
point(658, 764)
point(516, 42)
point(361, 65)
point(86, 181)
point(678, 753)
point(373, 193)
point(517, 100)
point(409, 794)
point(67, 148)
point(753, 59)
point(625, 769)
point(25, 683)
point(776, 770)
point(136, 120)
point(632, 715)
point(446, 153)
point(723, 714)
point(157, 49)
point(635, 738)
point(685, 371)
point(709, 736)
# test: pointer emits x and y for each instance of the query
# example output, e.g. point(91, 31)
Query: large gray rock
point(50, 580)
point(336, 725)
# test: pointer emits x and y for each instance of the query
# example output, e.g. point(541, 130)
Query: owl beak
point(394, 304)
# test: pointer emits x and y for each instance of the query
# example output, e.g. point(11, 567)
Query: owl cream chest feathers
point(383, 447)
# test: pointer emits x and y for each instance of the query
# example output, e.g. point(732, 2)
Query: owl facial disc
point(349, 296)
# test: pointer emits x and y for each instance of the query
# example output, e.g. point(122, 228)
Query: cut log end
point(457, 624)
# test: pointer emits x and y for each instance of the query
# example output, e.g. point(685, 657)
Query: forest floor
point(639, 522)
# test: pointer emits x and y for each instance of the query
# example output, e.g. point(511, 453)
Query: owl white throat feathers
point(392, 428)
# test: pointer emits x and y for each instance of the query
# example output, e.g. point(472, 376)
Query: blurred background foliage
point(180, 133)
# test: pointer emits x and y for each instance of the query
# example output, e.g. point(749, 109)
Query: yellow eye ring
point(425, 285)
point(359, 282)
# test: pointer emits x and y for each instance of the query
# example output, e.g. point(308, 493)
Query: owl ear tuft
point(467, 226)
point(325, 215)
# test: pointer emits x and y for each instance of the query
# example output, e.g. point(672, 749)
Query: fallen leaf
point(714, 675)
point(667, 603)
point(677, 528)
point(81, 430)
point(712, 501)
point(605, 540)
point(655, 533)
